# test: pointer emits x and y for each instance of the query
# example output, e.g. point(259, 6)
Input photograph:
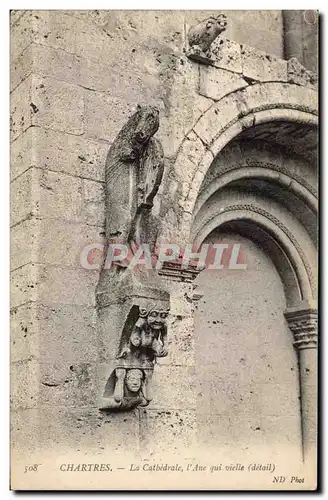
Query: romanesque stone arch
point(287, 238)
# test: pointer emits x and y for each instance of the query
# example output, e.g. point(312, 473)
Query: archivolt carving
point(279, 224)
point(265, 165)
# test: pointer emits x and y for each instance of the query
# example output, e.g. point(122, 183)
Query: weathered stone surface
point(63, 384)
point(24, 383)
point(183, 395)
point(47, 103)
point(23, 201)
point(188, 159)
point(180, 294)
point(22, 67)
point(181, 341)
point(24, 243)
point(23, 285)
point(208, 127)
point(68, 286)
point(60, 152)
point(226, 54)
point(66, 333)
point(167, 431)
point(60, 195)
point(36, 430)
point(15, 15)
point(33, 282)
point(28, 245)
point(298, 74)
point(24, 338)
point(94, 203)
point(258, 65)
point(57, 105)
point(216, 83)
point(21, 34)
point(20, 109)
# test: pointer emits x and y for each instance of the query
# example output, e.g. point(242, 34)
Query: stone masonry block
point(67, 333)
point(167, 431)
point(45, 27)
point(24, 243)
point(94, 202)
point(180, 297)
point(21, 67)
point(226, 54)
point(272, 93)
point(23, 284)
point(20, 109)
point(21, 33)
point(298, 74)
point(86, 431)
point(168, 395)
point(58, 334)
point(53, 285)
point(47, 103)
point(100, 106)
point(71, 385)
point(57, 105)
point(180, 341)
point(210, 124)
point(190, 154)
point(216, 82)
point(260, 66)
point(60, 195)
point(21, 153)
point(65, 249)
point(23, 335)
point(24, 383)
point(71, 239)
point(68, 286)
point(24, 199)
point(60, 152)
point(15, 15)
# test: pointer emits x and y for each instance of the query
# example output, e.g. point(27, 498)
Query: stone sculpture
point(143, 340)
point(201, 36)
point(134, 171)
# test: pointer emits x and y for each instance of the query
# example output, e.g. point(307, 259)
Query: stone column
point(303, 321)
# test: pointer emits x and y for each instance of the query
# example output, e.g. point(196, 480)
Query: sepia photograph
point(164, 170)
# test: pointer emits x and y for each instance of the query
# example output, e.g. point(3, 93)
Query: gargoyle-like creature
point(144, 339)
point(202, 35)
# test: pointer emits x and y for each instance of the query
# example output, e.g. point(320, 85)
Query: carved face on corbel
point(133, 380)
point(155, 318)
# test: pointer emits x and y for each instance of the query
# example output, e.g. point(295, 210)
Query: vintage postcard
point(164, 203)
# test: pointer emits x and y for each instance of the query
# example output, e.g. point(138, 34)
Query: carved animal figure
point(122, 171)
point(203, 34)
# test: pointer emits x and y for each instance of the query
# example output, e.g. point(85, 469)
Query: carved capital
point(303, 322)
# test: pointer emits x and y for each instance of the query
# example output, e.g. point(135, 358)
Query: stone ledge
point(249, 63)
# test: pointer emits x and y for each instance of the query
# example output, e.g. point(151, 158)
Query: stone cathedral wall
point(76, 77)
